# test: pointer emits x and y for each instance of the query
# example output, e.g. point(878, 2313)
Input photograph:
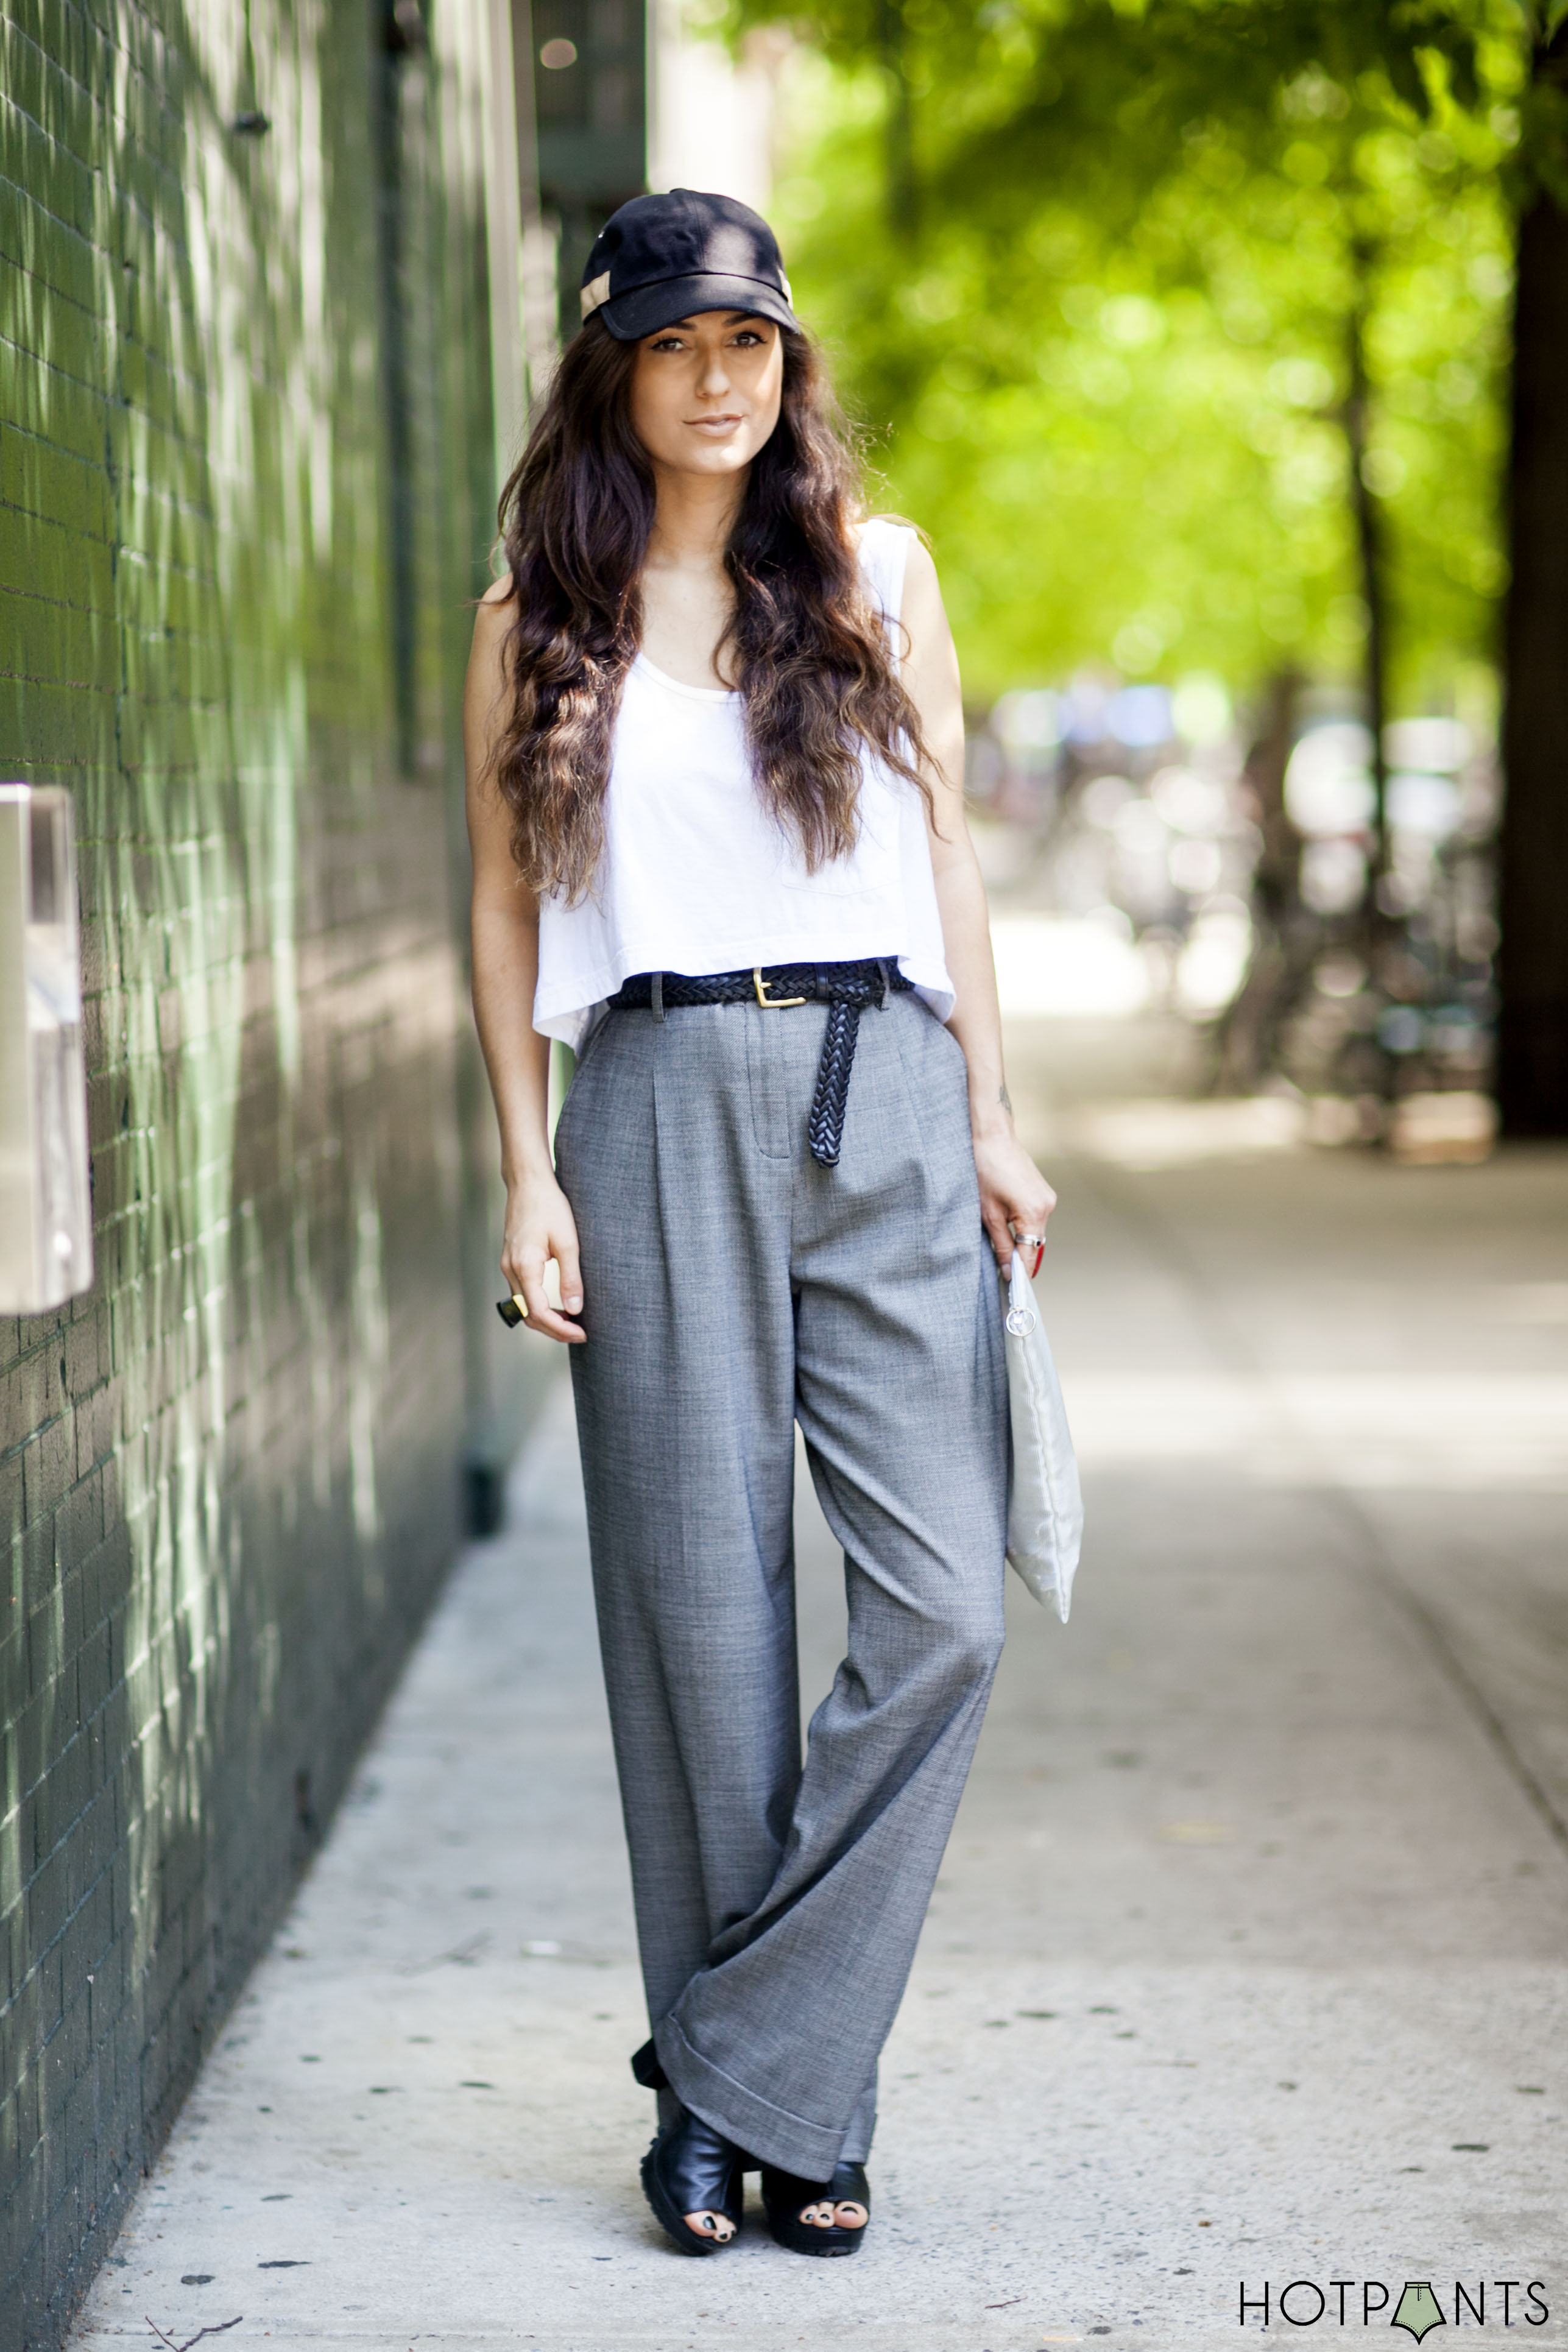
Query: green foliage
point(1110, 339)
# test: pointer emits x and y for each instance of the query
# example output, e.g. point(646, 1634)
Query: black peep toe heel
point(689, 2168)
point(692, 2169)
point(784, 2196)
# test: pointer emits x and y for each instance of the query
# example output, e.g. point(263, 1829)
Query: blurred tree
point(1154, 284)
point(1134, 429)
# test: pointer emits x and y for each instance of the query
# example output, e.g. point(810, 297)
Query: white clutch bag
point(1044, 1507)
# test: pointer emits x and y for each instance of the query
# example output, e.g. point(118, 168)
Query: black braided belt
point(844, 988)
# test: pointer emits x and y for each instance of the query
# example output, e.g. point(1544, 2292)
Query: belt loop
point(655, 994)
point(881, 964)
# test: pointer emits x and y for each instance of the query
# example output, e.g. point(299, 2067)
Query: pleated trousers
point(733, 1287)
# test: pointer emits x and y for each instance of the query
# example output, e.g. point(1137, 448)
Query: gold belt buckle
point(771, 1003)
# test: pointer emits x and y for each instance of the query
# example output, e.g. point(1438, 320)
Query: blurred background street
point(1218, 353)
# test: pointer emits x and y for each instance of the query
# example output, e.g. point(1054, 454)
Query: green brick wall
point(246, 468)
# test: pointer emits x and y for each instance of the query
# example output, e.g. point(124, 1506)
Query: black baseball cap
point(660, 258)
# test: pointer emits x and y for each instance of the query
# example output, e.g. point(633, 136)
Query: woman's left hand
point(1013, 1196)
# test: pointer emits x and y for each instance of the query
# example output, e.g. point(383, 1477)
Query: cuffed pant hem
point(771, 2133)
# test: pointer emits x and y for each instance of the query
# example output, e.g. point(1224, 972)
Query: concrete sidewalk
point(1249, 1958)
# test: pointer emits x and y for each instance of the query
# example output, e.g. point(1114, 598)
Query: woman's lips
point(714, 425)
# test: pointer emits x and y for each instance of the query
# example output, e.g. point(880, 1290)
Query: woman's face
point(706, 391)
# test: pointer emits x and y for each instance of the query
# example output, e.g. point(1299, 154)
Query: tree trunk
point(1248, 1035)
point(1532, 1045)
point(1369, 553)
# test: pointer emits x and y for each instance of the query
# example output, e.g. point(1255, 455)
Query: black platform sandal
point(692, 2169)
point(784, 2196)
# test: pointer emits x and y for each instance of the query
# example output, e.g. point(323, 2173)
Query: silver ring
point(1030, 1241)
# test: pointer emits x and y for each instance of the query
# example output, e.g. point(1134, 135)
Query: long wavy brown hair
point(804, 644)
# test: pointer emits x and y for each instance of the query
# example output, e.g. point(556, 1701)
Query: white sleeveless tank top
point(695, 877)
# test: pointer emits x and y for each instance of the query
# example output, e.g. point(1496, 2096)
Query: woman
point(719, 846)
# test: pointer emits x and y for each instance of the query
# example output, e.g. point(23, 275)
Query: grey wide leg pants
point(733, 1286)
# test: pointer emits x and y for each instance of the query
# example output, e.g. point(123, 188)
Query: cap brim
point(644, 310)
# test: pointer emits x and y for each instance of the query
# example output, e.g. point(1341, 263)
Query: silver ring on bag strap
point(1036, 1242)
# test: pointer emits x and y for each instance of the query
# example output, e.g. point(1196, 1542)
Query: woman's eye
point(747, 335)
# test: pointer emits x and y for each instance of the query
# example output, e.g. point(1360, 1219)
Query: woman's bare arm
point(1012, 1192)
point(505, 948)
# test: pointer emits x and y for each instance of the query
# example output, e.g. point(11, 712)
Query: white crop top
point(695, 877)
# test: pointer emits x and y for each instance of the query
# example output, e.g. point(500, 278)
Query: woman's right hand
point(540, 1226)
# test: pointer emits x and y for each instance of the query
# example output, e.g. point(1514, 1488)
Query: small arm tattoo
point(1004, 1098)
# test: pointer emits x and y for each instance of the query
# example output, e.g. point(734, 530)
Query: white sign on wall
point(45, 1207)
